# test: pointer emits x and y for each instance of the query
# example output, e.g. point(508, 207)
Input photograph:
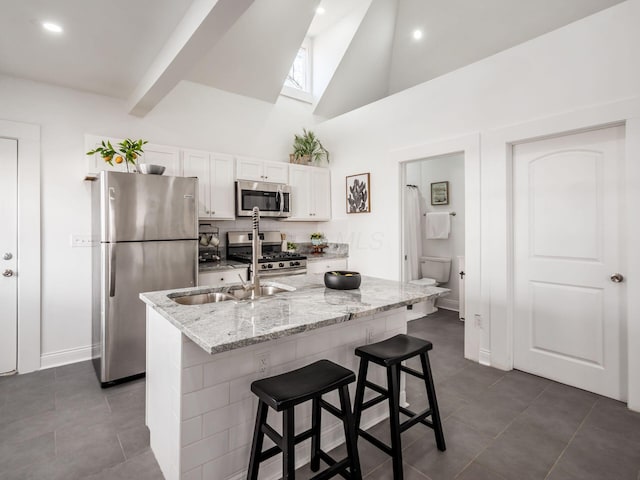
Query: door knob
point(7, 273)
point(7, 256)
point(617, 278)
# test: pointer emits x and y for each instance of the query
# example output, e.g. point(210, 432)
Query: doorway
point(8, 255)
point(434, 191)
point(569, 290)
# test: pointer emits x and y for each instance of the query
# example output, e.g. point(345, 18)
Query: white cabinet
point(310, 193)
point(215, 179)
point(261, 170)
point(321, 266)
point(168, 157)
point(223, 277)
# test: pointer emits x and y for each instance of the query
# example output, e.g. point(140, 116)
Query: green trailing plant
point(128, 151)
point(308, 144)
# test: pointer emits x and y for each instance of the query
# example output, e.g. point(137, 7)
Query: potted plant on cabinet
point(308, 149)
point(128, 151)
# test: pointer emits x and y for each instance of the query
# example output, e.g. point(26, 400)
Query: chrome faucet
point(256, 253)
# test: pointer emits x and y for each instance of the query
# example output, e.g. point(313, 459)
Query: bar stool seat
point(289, 389)
point(394, 350)
point(282, 393)
point(390, 354)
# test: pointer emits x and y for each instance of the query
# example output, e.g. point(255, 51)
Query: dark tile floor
point(59, 424)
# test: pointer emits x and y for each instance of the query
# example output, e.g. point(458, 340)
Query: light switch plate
point(78, 240)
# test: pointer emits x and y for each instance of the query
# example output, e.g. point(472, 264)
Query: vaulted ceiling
point(364, 49)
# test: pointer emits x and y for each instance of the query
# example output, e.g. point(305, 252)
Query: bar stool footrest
point(415, 418)
point(334, 467)
point(411, 371)
point(374, 441)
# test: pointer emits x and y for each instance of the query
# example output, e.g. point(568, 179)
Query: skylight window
point(298, 75)
point(298, 82)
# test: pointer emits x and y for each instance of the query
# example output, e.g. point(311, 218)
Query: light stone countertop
point(228, 325)
point(316, 257)
point(221, 266)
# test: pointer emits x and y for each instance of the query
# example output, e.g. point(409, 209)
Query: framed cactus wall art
point(358, 193)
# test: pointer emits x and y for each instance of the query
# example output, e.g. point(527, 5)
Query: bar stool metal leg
point(258, 439)
point(433, 402)
point(316, 426)
point(394, 420)
point(350, 433)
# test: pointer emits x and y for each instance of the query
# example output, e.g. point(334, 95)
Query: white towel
point(438, 225)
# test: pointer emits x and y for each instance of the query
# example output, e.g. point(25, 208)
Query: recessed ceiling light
point(320, 10)
point(52, 27)
point(417, 34)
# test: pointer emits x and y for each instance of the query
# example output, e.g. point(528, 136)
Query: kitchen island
point(201, 360)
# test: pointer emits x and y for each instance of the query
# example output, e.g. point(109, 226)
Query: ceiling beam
point(204, 24)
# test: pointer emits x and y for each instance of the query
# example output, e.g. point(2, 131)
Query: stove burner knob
point(270, 265)
point(263, 266)
point(291, 264)
point(296, 264)
point(281, 265)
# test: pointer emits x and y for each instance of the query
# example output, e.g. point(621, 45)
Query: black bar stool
point(283, 393)
point(389, 354)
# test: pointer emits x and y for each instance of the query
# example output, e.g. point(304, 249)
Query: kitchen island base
point(200, 409)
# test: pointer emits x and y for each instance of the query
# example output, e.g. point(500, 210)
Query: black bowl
point(342, 280)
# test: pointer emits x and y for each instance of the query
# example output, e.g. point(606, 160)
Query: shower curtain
point(412, 238)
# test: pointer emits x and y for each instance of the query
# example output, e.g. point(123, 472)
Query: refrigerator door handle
point(112, 214)
point(112, 270)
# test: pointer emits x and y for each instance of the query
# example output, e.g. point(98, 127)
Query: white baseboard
point(485, 357)
point(448, 304)
point(65, 357)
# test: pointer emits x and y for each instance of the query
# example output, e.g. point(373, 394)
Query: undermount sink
point(265, 291)
point(203, 298)
point(236, 293)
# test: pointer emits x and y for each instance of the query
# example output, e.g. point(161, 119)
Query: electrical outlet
point(78, 240)
point(477, 318)
point(263, 362)
point(368, 336)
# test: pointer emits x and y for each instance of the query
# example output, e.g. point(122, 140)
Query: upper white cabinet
point(261, 170)
point(310, 193)
point(215, 179)
point(168, 157)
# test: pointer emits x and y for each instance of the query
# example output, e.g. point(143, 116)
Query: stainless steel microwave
point(273, 199)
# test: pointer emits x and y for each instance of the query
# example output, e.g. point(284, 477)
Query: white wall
point(439, 169)
point(191, 116)
point(585, 64)
point(592, 61)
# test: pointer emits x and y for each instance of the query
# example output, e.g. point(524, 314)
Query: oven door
point(273, 199)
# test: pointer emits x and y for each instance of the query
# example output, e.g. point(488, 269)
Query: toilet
point(435, 271)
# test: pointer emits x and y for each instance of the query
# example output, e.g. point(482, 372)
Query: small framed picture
point(440, 193)
point(358, 193)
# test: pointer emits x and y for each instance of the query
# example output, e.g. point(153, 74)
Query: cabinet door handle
point(212, 212)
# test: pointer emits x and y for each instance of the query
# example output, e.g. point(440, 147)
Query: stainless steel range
point(273, 262)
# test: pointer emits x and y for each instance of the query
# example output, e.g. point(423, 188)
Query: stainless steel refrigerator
point(147, 228)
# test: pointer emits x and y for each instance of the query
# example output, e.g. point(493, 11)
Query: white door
point(567, 245)
point(8, 254)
